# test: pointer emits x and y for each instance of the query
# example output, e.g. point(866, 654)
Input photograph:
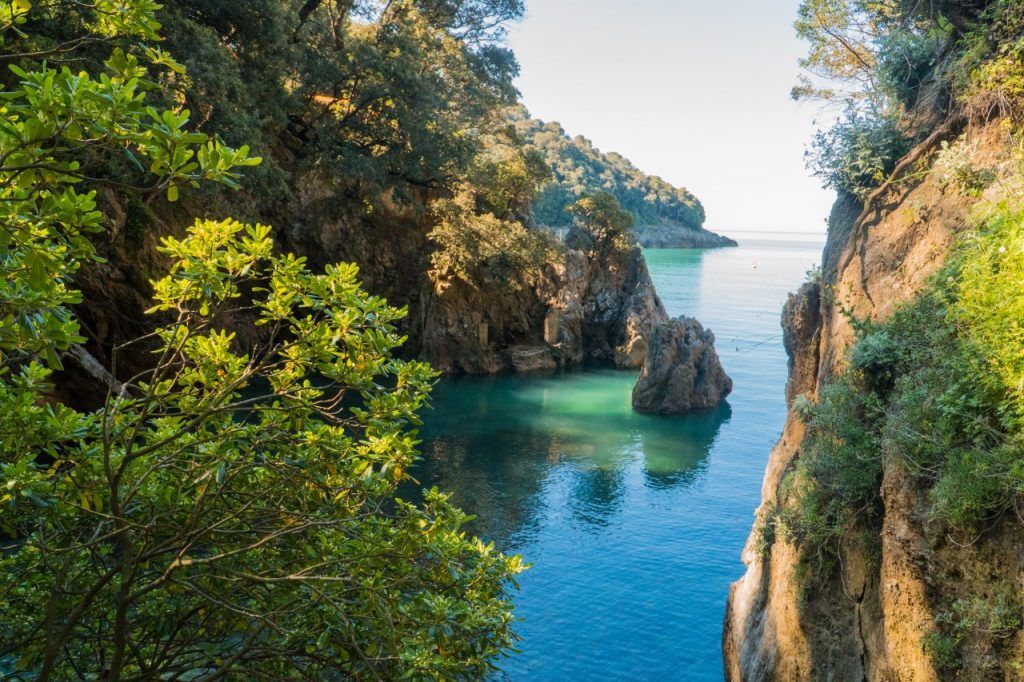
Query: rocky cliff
point(870, 618)
point(591, 302)
point(671, 235)
point(682, 371)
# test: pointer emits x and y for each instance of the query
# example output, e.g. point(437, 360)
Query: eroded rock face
point(681, 371)
point(592, 302)
point(870, 620)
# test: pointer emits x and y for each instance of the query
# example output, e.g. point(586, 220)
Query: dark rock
point(594, 301)
point(681, 371)
point(801, 329)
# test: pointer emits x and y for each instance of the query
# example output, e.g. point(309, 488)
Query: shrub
point(858, 153)
point(944, 650)
point(835, 485)
point(921, 389)
point(997, 88)
point(969, 620)
point(953, 166)
point(906, 59)
point(604, 220)
point(482, 249)
point(990, 303)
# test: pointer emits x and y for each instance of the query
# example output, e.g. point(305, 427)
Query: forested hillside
point(663, 215)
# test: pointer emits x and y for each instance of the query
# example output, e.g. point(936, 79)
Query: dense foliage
point(581, 169)
point(879, 61)
point(483, 233)
point(935, 390)
point(924, 387)
point(230, 511)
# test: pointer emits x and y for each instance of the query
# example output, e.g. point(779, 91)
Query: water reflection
point(517, 450)
point(669, 463)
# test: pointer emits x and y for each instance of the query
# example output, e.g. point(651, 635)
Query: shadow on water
point(517, 449)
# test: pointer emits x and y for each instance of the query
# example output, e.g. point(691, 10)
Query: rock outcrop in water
point(681, 371)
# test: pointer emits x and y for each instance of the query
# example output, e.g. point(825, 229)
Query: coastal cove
point(634, 523)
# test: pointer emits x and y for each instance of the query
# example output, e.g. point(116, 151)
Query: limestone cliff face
point(869, 622)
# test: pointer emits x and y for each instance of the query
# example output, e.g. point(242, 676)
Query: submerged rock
point(682, 371)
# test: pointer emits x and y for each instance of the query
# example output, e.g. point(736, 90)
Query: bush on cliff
point(936, 388)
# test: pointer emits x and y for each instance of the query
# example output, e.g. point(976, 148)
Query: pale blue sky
point(696, 91)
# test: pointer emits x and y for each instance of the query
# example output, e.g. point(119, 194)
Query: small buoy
point(755, 265)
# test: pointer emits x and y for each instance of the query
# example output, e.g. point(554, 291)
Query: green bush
point(835, 485)
point(990, 303)
point(944, 650)
point(906, 60)
point(231, 510)
point(995, 615)
point(858, 153)
point(936, 387)
point(482, 249)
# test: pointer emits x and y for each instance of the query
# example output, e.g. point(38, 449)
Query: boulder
point(681, 370)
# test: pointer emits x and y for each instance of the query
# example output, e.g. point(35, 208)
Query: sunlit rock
point(682, 371)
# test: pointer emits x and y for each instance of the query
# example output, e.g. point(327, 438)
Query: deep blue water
point(634, 524)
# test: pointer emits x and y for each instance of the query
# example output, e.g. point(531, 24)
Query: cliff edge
point(882, 612)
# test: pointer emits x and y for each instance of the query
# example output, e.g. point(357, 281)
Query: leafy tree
point(56, 124)
point(230, 510)
point(483, 233)
point(233, 511)
point(842, 37)
point(579, 169)
point(480, 248)
point(873, 58)
point(378, 95)
point(603, 220)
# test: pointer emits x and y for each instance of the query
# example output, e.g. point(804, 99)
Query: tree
point(231, 510)
point(842, 35)
point(603, 219)
point(579, 169)
point(58, 125)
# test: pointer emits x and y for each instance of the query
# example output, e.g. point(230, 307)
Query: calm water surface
point(634, 524)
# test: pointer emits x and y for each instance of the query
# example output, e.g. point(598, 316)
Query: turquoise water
point(634, 524)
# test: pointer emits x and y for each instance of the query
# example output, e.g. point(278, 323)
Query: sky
point(696, 91)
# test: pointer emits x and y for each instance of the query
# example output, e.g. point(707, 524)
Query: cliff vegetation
point(888, 543)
